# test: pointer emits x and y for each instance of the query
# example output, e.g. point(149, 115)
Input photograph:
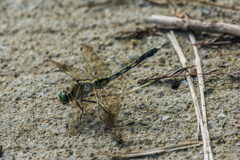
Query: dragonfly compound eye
point(63, 97)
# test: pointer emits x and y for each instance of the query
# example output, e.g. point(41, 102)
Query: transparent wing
point(93, 113)
point(88, 120)
point(109, 115)
point(73, 72)
point(111, 104)
point(94, 64)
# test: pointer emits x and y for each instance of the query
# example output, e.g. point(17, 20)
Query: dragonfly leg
point(89, 101)
point(102, 108)
point(97, 103)
point(69, 93)
point(80, 106)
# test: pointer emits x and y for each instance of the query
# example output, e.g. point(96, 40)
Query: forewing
point(73, 72)
point(97, 68)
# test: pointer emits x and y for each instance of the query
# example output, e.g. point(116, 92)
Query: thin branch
point(168, 22)
point(176, 73)
point(151, 78)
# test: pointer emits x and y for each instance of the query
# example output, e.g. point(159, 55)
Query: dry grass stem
point(161, 150)
point(135, 89)
point(168, 22)
point(207, 148)
point(183, 61)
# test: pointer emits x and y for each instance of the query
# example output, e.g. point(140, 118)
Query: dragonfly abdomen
point(150, 53)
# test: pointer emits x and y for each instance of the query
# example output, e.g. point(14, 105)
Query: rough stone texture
point(32, 121)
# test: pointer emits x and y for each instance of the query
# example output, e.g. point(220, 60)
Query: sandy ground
point(33, 121)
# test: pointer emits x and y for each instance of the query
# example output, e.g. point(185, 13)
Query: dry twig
point(164, 2)
point(233, 74)
point(138, 33)
point(91, 4)
point(168, 22)
point(218, 5)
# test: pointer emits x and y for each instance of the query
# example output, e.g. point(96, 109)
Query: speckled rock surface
point(32, 121)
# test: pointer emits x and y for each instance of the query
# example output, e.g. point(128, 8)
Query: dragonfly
point(89, 86)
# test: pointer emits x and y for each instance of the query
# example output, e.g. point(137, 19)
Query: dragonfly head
point(63, 97)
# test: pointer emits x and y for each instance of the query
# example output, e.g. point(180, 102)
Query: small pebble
point(133, 42)
point(127, 113)
point(131, 129)
point(221, 115)
point(160, 95)
point(209, 91)
point(162, 60)
point(130, 124)
point(165, 118)
point(18, 98)
point(91, 155)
